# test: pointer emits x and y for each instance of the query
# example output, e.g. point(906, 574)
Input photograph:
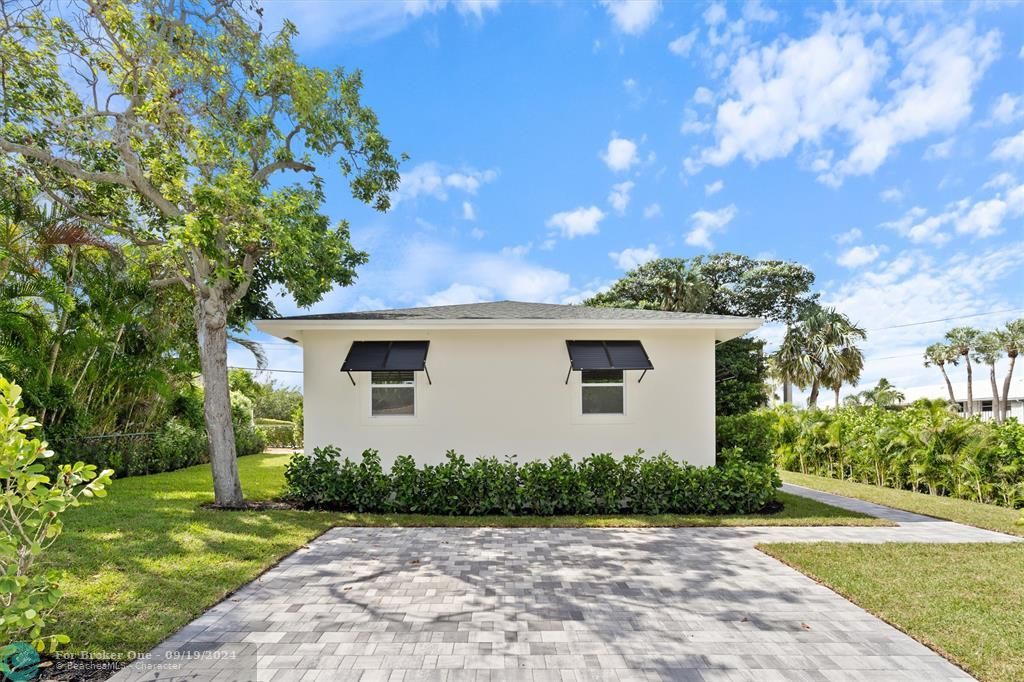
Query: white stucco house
point(530, 379)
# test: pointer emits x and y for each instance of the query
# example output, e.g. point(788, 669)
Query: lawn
point(990, 516)
point(964, 600)
point(144, 561)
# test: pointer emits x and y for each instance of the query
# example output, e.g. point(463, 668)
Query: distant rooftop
point(513, 310)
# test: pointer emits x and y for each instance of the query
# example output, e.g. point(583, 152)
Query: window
point(392, 393)
point(603, 391)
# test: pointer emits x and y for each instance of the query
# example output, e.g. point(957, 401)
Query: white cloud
point(652, 211)
point(859, 256)
point(714, 14)
point(578, 222)
point(703, 95)
point(706, 223)
point(917, 287)
point(754, 11)
point(619, 196)
point(692, 124)
point(627, 259)
point(891, 194)
point(1007, 109)
point(939, 150)
point(682, 45)
point(363, 21)
point(632, 17)
point(519, 250)
point(850, 236)
point(828, 89)
point(468, 212)
point(980, 219)
point(431, 179)
point(620, 154)
point(477, 233)
point(457, 293)
point(1001, 181)
point(1010, 148)
point(470, 181)
point(713, 188)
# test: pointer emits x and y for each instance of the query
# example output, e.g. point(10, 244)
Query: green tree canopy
point(167, 124)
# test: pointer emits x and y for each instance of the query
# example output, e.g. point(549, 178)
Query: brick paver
point(554, 604)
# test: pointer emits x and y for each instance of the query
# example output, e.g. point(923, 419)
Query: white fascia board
point(724, 329)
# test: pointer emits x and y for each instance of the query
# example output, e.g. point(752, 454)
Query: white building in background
point(982, 392)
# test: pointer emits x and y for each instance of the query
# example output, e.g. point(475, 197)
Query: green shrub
point(30, 519)
point(277, 434)
point(599, 484)
point(178, 445)
point(752, 432)
point(249, 439)
point(297, 430)
point(926, 447)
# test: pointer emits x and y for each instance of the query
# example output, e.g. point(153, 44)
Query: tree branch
point(69, 167)
point(271, 168)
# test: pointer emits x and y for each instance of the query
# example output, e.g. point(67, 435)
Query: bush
point(31, 522)
point(599, 484)
point(926, 447)
point(753, 433)
point(277, 434)
point(249, 439)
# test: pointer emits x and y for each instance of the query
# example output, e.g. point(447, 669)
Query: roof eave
point(724, 328)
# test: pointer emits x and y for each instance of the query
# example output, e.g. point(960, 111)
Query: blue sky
point(554, 145)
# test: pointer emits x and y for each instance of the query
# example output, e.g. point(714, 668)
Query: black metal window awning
point(614, 355)
point(386, 356)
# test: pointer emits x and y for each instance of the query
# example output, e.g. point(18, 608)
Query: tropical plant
point(1011, 338)
point(30, 522)
point(884, 394)
point(988, 350)
point(926, 446)
point(963, 341)
point(940, 355)
point(181, 160)
point(819, 350)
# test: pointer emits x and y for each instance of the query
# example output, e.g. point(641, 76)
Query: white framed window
point(602, 391)
point(392, 394)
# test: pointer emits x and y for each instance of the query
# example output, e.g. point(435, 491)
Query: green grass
point(990, 516)
point(966, 601)
point(147, 559)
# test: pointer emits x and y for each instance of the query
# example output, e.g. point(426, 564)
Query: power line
point(947, 319)
point(267, 369)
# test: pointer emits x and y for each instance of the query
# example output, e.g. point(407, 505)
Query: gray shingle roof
point(512, 310)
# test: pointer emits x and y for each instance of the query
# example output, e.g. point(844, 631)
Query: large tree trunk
point(970, 386)
point(787, 392)
point(812, 399)
point(837, 398)
point(949, 384)
point(211, 315)
point(1006, 385)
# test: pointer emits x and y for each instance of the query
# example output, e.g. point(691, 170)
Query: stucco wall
point(500, 392)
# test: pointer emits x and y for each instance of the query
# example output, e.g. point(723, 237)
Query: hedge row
point(598, 484)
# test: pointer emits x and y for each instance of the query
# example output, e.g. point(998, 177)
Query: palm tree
point(684, 290)
point(820, 350)
point(940, 355)
point(989, 349)
point(963, 340)
point(884, 394)
point(1012, 340)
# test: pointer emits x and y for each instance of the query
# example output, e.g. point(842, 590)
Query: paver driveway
point(539, 604)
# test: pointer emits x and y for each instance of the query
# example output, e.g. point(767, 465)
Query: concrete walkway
point(555, 604)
